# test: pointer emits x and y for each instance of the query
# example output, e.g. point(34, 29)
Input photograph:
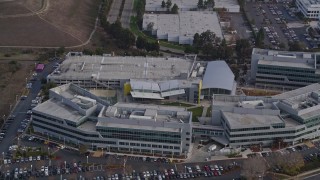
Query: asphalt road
point(114, 11)
point(21, 109)
point(126, 13)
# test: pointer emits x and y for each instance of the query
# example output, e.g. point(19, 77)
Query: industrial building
point(73, 115)
point(182, 27)
point(148, 77)
point(284, 70)
point(309, 8)
point(187, 5)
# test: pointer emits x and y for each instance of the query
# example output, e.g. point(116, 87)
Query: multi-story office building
point(147, 77)
point(292, 117)
point(73, 115)
point(309, 8)
point(284, 70)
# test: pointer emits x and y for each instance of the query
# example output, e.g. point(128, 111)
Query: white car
point(5, 161)
point(38, 158)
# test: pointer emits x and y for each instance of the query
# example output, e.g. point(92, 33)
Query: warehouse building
point(189, 5)
point(284, 70)
point(182, 27)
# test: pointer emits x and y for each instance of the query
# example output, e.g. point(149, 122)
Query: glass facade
point(140, 135)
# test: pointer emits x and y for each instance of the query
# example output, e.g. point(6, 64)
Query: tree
point(289, 163)
point(150, 26)
point(175, 9)
point(282, 45)
point(207, 48)
point(83, 148)
point(253, 168)
point(260, 38)
point(169, 4)
point(141, 42)
point(243, 48)
point(196, 40)
point(295, 46)
point(163, 4)
point(200, 4)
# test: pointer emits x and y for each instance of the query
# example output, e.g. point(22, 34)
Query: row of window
point(140, 138)
point(311, 76)
point(291, 69)
point(279, 84)
point(64, 128)
point(270, 78)
point(149, 145)
point(123, 131)
point(71, 136)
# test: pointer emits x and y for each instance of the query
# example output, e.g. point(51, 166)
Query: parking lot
point(280, 24)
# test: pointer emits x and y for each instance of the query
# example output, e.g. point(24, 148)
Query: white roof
point(144, 85)
point(185, 24)
point(146, 95)
point(218, 75)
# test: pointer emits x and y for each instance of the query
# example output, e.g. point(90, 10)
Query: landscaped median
point(135, 29)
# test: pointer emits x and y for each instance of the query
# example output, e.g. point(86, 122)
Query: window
point(187, 145)
point(187, 139)
point(187, 133)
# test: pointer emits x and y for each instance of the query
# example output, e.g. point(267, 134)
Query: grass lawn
point(196, 112)
point(134, 28)
point(177, 104)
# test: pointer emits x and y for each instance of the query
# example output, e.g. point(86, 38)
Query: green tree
point(282, 45)
point(260, 38)
point(169, 4)
point(163, 4)
point(174, 9)
point(83, 148)
point(295, 46)
point(141, 42)
point(253, 168)
point(196, 40)
point(243, 48)
point(200, 4)
point(207, 48)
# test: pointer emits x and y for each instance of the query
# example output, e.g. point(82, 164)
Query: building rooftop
point(184, 24)
point(105, 68)
point(286, 64)
point(155, 5)
point(250, 120)
point(136, 126)
point(311, 3)
point(218, 75)
point(58, 109)
point(147, 112)
point(299, 91)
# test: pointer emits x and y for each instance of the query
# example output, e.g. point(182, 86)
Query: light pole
point(172, 155)
point(65, 164)
point(152, 152)
point(17, 97)
point(3, 156)
point(87, 159)
point(26, 80)
point(10, 107)
point(31, 167)
point(102, 151)
point(109, 148)
point(131, 150)
point(279, 144)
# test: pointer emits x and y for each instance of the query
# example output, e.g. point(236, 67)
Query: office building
point(148, 77)
point(309, 8)
point(284, 70)
point(75, 116)
point(292, 117)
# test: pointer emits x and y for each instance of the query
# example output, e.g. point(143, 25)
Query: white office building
point(309, 8)
point(73, 115)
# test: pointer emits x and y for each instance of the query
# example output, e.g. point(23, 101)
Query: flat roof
point(218, 75)
point(184, 24)
point(58, 109)
point(138, 127)
point(286, 64)
point(236, 120)
point(109, 68)
point(147, 112)
point(299, 91)
point(155, 5)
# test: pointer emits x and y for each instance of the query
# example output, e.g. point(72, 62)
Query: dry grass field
point(59, 23)
point(12, 82)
